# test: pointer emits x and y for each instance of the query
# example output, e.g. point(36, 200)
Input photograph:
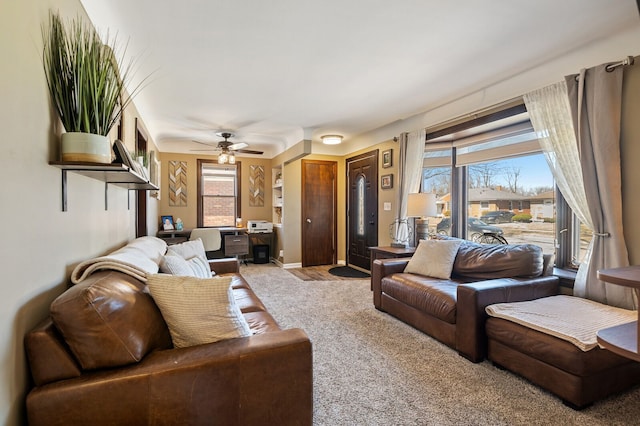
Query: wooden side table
point(388, 252)
point(622, 339)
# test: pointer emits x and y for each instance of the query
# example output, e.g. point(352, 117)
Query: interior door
point(362, 208)
point(319, 212)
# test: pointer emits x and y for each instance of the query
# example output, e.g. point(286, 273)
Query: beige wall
point(41, 244)
point(189, 213)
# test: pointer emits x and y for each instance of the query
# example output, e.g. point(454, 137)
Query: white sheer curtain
point(584, 171)
point(409, 175)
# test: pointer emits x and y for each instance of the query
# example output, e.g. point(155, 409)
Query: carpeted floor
point(371, 369)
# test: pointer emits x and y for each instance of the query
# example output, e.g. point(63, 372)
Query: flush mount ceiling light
point(331, 139)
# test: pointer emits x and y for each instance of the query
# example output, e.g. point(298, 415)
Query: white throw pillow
point(188, 249)
point(434, 258)
point(194, 267)
point(198, 310)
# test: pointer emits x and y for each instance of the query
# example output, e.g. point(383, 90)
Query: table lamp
point(421, 205)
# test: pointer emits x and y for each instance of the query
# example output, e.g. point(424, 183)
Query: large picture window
point(490, 174)
point(218, 194)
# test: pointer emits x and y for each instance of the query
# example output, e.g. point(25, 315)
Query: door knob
point(308, 220)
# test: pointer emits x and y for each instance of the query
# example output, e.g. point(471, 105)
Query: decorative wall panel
point(256, 186)
point(178, 183)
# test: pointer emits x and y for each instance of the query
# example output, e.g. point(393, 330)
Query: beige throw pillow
point(434, 258)
point(198, 310)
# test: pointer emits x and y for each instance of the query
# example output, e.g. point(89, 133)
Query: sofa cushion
point(434, 258)
point(551, 350)
point(434, 296)
point(108, 320)
point(198, 310)
point(498, 261)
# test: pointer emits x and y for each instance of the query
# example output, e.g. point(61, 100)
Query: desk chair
point(210, 237)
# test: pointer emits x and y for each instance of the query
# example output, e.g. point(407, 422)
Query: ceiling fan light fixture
point(232, 158)
point(331, 139)
point(223, 158)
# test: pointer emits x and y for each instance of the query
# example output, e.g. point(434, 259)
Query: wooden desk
point(173, 236)
point(622, 339)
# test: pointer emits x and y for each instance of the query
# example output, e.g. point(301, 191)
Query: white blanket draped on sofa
point(138, 258)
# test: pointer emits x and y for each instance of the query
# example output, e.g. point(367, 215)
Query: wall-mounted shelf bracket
point(116, 174)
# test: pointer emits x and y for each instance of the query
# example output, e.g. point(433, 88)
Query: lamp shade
point(421, 205)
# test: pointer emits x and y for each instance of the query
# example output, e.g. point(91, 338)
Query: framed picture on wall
point(387, 158)
point(386, 181)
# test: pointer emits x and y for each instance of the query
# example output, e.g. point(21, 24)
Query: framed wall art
point(387, 158)
point(177, 183)
point(386, 181)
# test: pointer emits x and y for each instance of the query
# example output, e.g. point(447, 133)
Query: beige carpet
point(371, 369)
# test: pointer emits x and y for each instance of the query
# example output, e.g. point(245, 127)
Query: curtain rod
point(629, 60)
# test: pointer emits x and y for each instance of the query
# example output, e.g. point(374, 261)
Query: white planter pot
point(86, 147)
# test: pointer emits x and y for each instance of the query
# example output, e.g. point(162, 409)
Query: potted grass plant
point(86, 87)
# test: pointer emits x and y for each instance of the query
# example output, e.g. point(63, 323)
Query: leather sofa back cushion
point(498, 261)
point(108, 320)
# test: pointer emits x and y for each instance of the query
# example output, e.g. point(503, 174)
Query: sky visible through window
point(534, 171)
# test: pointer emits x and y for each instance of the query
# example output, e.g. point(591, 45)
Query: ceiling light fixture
point(331, 139)
point(223, 158)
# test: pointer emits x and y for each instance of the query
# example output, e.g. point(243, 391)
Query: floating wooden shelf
point(115, 174)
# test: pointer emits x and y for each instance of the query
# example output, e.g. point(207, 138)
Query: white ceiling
point(278, 71)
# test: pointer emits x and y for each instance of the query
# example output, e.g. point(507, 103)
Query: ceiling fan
point(227, 147)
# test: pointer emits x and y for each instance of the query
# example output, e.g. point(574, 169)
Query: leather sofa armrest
point(261, 379)
point(382, 268)
point(473, 298)
point(224, 266)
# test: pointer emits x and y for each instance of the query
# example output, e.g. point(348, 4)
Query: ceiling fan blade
point(238, 145)
point(212, 145)
point(248, 151)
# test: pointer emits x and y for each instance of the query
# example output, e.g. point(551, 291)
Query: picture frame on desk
point(167, 223)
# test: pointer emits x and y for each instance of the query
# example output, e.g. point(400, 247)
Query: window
point(218, 194)
point(499, 181)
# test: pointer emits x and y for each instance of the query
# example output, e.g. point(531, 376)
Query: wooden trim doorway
point(319, 220)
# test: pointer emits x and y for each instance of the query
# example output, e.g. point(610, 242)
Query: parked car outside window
point(475, 228)
point(500, 216)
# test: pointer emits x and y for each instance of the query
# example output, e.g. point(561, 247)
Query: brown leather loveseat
point(130, 373)
point(453, 310)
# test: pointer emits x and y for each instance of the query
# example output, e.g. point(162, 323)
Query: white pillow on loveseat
point(434, 258)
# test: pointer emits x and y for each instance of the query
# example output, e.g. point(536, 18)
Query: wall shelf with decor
point(278, 200)
point(115, 174)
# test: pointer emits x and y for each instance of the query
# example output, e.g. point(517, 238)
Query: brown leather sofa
point(134, 376)
point(453, 310)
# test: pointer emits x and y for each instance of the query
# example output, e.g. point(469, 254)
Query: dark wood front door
point(362, 208)
point(319, 210)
